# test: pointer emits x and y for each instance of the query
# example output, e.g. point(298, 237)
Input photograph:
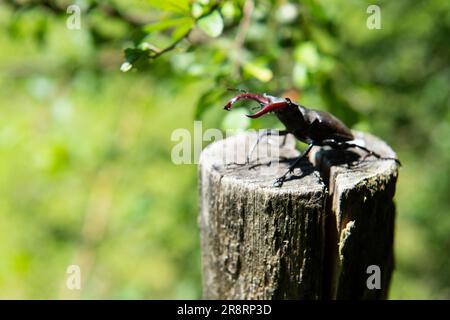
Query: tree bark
point(313, 238)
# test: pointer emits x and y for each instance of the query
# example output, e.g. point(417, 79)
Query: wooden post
point(320, 236)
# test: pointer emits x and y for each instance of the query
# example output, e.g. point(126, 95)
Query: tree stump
point(314, 238)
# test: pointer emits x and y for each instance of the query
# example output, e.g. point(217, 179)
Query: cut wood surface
point(313, 238)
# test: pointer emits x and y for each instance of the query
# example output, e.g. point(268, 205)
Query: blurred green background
point(86, 175)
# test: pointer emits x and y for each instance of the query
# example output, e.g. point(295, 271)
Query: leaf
point(286, 13)
point(300, 75)
point(182, 30)
point(229, 10)
point(196, 10)
point(171, 5)
point(132, 56)
point(306, 53)
point(167, 23)
point(126, 66)
point(212, 24)
point(258, 71)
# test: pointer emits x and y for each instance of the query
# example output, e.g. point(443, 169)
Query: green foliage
point(84, 145)
point(179, 6)
point(207, 99)
point(212, 24)
point(168, 23)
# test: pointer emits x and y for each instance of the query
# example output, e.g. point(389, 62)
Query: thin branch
point(244, 25)
point(185, 36)
point(172, 46)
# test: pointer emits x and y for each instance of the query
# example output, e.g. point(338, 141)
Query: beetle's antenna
point(237, 90)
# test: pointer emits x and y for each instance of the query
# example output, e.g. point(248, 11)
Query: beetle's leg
point(345, 145)
point(266, 133)
point(268, 164)
point(372, 153)
point(279, 181)
point(284, 138)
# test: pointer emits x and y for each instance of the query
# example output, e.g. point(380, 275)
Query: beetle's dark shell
point(312, 125)
point(326, 126)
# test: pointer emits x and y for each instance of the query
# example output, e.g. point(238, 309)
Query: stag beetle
point(314, 127)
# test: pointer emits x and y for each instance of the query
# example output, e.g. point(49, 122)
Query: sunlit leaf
point(148, 46)
point(170, 5)
point(167, 23)
point(196, 10)
point(212, 24)
point(306, 53)
point(287, 13)
point(126, 66)
point(228, 10)
point(258, 71)
point(182, 29)
point(300, 75)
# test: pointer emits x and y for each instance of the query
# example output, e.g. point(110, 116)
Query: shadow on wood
point(313, 238)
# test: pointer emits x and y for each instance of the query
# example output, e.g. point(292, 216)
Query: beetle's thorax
point(295, 119)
